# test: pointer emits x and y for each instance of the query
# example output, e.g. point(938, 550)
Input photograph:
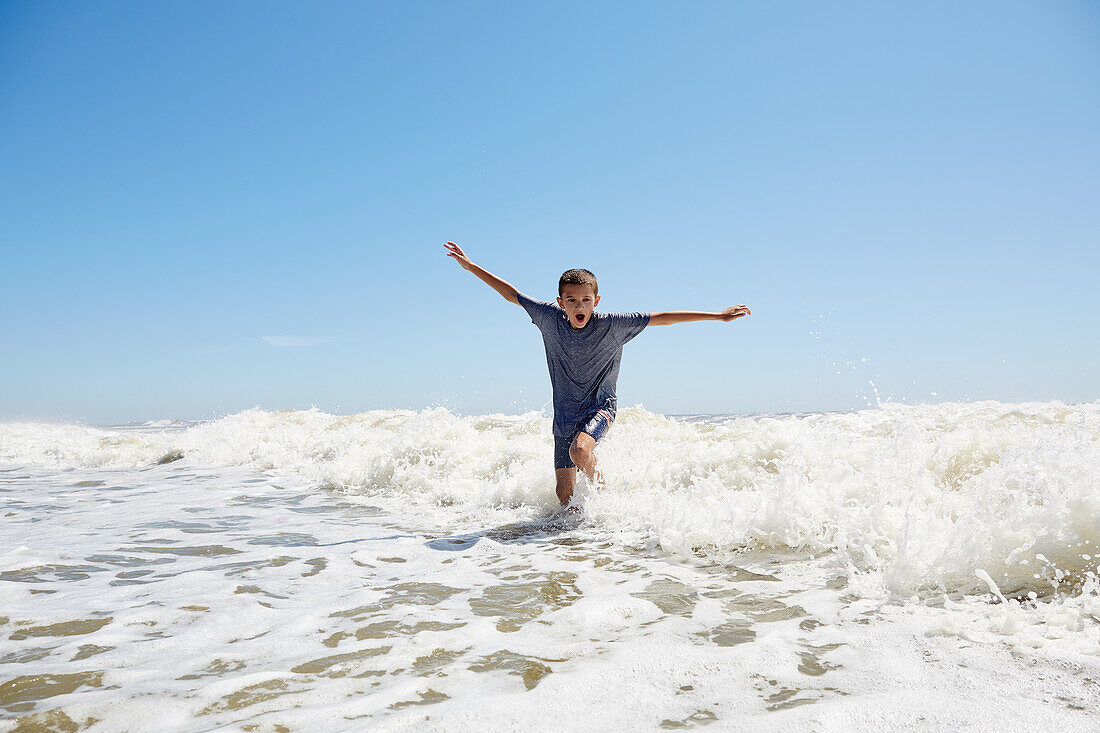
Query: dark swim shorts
point(597, 426)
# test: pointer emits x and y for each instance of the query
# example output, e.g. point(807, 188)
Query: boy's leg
point(567, 479)
point(564, 471)
point(581, 451)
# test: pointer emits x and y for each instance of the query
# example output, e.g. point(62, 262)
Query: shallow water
point(302, 571)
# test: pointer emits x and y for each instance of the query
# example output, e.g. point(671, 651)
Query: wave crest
point(924, 496)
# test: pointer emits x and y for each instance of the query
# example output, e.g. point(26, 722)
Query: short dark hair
point(578, 276)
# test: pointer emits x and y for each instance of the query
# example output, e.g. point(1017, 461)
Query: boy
point(583, 351)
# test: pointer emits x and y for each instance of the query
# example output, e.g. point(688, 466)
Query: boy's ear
point(560, 304)
point(595, 301)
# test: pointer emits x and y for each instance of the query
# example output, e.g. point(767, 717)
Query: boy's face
point(578, 301)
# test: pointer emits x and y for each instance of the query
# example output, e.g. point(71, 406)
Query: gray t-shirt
point(584, 362)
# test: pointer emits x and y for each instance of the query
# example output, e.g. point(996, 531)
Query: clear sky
point(210, 206)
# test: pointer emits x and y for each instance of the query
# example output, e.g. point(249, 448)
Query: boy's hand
point(455, 251)
point(506, 291)
point(734, 312)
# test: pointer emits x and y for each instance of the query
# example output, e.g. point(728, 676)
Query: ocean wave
point(944, 498)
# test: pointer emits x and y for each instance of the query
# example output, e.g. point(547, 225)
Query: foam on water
point(398, 569)
point(925, 496)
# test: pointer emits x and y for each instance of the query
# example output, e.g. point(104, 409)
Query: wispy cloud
point(291, 341)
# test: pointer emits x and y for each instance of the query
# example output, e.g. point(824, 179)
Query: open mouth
point(579, 318)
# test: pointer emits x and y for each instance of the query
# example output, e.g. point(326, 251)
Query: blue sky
point(207, 206)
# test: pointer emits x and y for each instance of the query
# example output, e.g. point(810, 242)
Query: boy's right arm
point(506, 291)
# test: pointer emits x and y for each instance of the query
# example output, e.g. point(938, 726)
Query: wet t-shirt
point(584, 362)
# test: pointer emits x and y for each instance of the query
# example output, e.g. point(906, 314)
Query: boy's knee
point(580, 453)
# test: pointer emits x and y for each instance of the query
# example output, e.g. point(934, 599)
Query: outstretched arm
point(506, 291)
point(669, 317)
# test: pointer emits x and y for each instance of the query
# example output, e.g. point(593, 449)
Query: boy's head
point(577, 276)
point(578, 294)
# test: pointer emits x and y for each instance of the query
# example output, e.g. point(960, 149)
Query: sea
point(903, 567)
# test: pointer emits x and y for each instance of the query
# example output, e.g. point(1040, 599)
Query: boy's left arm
point(669, 317)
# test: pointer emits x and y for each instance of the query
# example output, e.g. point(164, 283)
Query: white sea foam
point(926, 495)
point(398, 569)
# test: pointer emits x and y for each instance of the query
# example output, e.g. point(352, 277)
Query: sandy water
point(900, 568)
